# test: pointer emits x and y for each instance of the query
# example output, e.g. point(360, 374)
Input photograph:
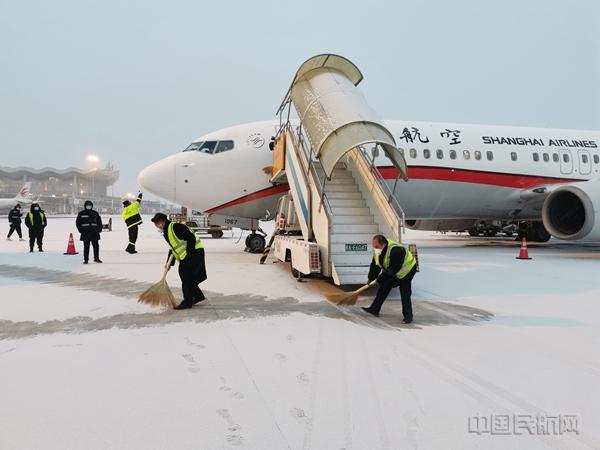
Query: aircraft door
point(585, 162)
point(566, 161)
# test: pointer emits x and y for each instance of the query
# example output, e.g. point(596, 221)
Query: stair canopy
point(334, 113)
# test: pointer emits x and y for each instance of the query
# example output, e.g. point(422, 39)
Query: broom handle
point(167, 266)
point(366, 286)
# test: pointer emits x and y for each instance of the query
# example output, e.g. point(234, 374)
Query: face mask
point(88, 207)
point(377, 251)
point(36, 209)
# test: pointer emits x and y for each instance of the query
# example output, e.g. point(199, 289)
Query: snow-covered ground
point(266, 363)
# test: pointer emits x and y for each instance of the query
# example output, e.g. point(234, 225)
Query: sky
point(135, 81)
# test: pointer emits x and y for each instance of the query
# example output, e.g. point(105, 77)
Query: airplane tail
point(24, 194)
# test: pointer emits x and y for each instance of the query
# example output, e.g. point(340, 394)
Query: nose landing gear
point(255, 242)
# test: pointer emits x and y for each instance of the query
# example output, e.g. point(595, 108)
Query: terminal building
point(63, 191)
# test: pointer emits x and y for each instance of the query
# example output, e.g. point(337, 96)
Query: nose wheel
point(255, 242)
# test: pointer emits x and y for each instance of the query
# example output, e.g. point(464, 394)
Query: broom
point(348, 298)
point(159, 294)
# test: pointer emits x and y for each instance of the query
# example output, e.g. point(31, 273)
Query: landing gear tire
point(473, 232)
point(217, 234)
point(255, 243)
point(538, 233)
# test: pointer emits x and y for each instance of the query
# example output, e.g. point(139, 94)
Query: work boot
point(97, 261)
point(370, 311)
point(31, 250)
point(183, 306)
point(8, 239)
point(85, 261)
point(40, 249)
point(407, 321)
point(199, 300)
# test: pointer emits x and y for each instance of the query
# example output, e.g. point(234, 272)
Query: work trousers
point(36, 235)
point(15, 227)
point(192, 271)
point(386, 284)
point(86, 249)
point(133, 235)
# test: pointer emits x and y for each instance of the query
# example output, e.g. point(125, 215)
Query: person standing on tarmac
point(187, 248)
point(35, 221)
point(132, 218)
point(89, 225)
point(393, 266)
point(14, 218)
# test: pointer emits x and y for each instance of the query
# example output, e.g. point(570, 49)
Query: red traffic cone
point(523, 254)
point(71, 246)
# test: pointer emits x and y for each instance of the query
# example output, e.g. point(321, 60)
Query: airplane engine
point(572, 211)
point(440, 225)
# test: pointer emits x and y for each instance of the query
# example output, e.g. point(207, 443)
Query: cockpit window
point(223, 146)
point(210, 147)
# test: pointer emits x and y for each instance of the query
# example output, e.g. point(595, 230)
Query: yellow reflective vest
point(131, 214)
point(407, 265)
point(179, 246)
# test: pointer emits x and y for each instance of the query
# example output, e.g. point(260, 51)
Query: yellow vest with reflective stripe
point(179, 246)
point(30, 214)
point(407, 265)
point(131, 214)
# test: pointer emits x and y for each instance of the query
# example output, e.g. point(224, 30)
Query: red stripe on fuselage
point(473, 176)
point(267, 192)
point(427, 173)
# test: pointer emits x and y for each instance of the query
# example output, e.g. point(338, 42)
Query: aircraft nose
point(159, 178)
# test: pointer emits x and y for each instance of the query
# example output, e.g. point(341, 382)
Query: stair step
point(347, 202)
point(351, 259)
point(340, 247)
point(341, 173)
point(344, 195)
point(340, 180)
point(341, 188)
point(352, 219)
point(347, 237)
point(343, 228)
point(350, 211)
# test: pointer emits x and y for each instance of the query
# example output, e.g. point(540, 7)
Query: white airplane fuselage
point(456, 171)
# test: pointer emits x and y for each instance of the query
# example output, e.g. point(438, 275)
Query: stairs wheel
point(255, 243)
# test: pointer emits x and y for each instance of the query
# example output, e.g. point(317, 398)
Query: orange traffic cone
point(523, 254)
point(71, 246)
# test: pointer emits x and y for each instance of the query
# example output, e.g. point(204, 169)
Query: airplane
point(544, 179)
point(22, 198)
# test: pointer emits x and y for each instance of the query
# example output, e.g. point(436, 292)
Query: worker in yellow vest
point(392, 266)
point(36, 222)
point(187, 248)
point(132, 218)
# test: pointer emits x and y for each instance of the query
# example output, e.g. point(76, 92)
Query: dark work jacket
point(89, 224)
point(396, 260)
point(39, 221)
point(184, 233)
point(14, 216)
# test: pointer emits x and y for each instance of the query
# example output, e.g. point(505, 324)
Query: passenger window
point(426, 153)
point(413, 152)
point(566, 157)
point(513, 156)
point(452, 154)
point(536, 157)
point(466, 154)
point(477, 154)
point(584, 158)
point(490, 156)
point(596, 159)
point(223, 146)
point(546, 157)
point(555, 157)
point(439, 153)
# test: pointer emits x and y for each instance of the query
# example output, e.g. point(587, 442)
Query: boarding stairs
point(339, 196)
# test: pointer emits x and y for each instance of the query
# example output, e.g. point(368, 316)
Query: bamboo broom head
point(158, 295)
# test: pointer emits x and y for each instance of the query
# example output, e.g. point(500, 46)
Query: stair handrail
point(393, 213)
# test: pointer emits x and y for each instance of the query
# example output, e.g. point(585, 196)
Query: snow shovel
point(159, 294)
point(348, 298)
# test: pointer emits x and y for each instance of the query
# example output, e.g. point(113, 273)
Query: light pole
point(94, 160)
